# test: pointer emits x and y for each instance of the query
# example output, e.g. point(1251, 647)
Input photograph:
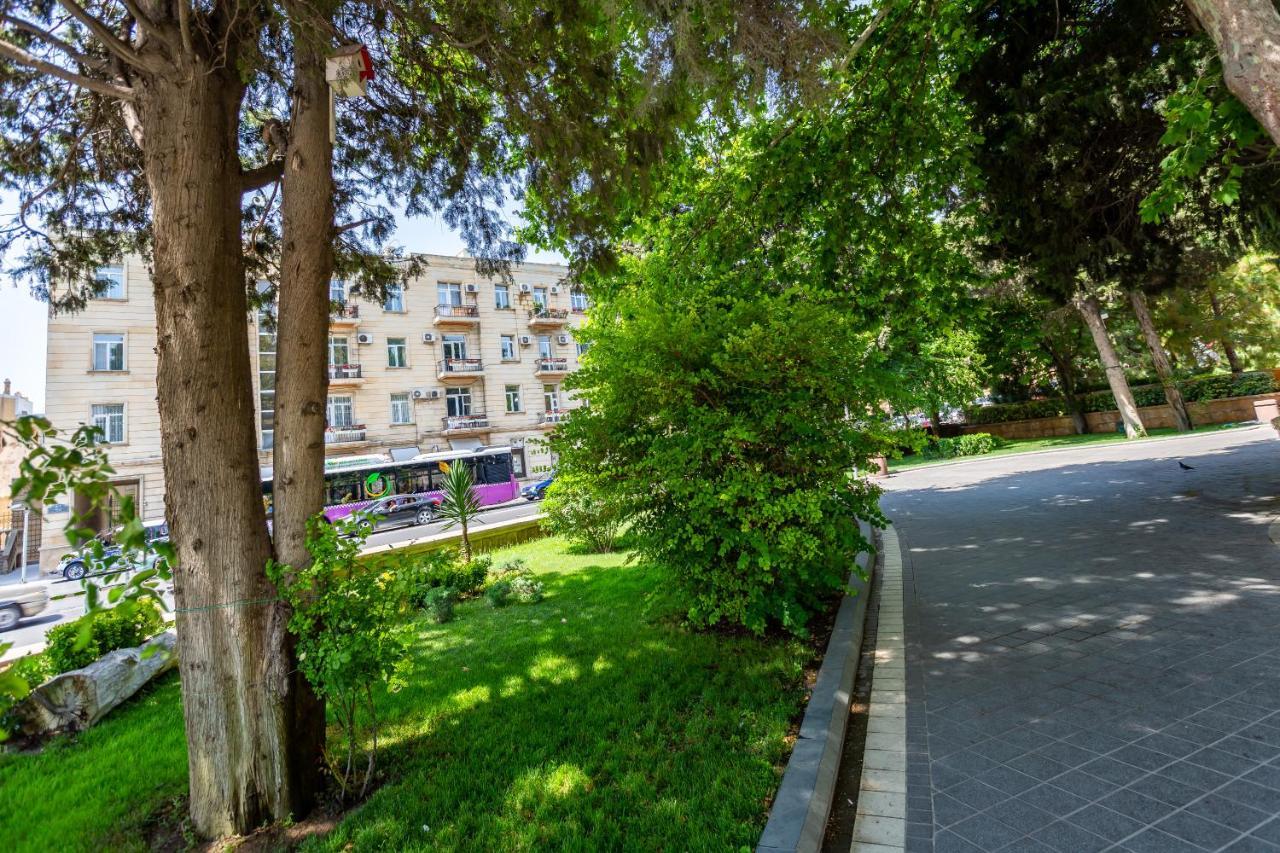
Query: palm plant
point(459, 504)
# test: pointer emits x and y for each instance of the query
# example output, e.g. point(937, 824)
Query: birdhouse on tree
point(349, 70)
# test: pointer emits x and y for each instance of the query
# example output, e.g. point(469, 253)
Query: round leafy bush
point(438, 604)
point(498, 594)
point(526, 590)
point(81, 642)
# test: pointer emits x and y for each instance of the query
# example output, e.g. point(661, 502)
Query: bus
point(353, 482)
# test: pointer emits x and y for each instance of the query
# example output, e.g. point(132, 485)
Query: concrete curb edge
point(798, 818)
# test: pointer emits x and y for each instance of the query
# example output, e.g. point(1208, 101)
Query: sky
point(24, 319)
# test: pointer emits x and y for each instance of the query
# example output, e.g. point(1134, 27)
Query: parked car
point(536, 491)
point(397, 511)
point(21, 601)
point(77, 564)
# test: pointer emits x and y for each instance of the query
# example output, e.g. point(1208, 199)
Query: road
point(1093, 648)
point(29, 635)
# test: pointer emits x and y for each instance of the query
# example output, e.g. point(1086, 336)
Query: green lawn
point(588, 721)
point(1057, 442)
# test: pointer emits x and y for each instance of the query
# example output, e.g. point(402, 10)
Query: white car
point(21, 601)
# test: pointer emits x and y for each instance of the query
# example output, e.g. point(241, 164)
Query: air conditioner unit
point(562, 339)
point(525, 340)
point(364, 338)
point(473, 288)
point(554, 289)
point(426, 393)
point(526, 288)
point(428, 337)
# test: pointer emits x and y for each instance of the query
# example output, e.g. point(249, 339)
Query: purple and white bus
point(353, 482)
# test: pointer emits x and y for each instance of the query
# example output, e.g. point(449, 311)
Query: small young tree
point(579, 510)
point(460, 505)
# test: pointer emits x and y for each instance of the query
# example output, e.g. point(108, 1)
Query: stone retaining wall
point(1224, 411)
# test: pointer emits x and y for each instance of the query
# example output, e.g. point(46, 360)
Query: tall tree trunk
point(235, 673)
point(1091, 311)
point(1160, 360)
point(1228, 348)
point(1067, 379)
point(1247, 35)
point(302, 327)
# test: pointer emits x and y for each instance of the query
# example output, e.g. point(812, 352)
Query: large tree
point(173, 127)
point(1247, 36)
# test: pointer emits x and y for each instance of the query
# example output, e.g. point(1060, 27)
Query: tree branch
point(52, 40)
point(146, 24)
point(103, 33)
point(351, 226)
point(260, 176)
point(102, 87)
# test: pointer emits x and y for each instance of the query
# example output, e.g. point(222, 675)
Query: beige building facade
point(451, 360)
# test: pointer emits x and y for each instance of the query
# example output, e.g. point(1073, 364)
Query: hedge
point(1198, 389)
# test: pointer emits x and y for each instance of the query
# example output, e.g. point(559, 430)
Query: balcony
point(551, 367)
point(548, 318)
point(345, 315)
point(345, 374)
point(457, 315)
point(459, 369)
point(547, 420)
point(465, 424)
point(354, 434)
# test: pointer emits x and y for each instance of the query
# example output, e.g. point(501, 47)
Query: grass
point(591, 720)
point(1028, 445)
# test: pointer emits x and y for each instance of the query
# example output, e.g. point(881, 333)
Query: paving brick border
point(800, 810)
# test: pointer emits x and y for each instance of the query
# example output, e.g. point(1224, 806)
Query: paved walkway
point(1093, 641)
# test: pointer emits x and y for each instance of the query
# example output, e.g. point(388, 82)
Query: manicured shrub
point(81, 642)
point(498, 593)
point(526, 590)
point(435, 569)
point(576, 511)
point(974, 444)
point(438, 603)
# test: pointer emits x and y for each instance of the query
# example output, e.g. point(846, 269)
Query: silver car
point(21, 601)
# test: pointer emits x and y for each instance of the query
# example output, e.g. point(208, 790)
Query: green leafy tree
point(576, 509)
point(459, 504)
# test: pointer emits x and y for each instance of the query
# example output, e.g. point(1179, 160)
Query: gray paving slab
point(1093, 648)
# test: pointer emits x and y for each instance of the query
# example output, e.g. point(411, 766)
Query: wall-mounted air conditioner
point(428, 337)
point(562, 339)
point(364, 338)
point(525, 340)
point(426, 393)
point(555, 289)
point(526, 288)
point(473, 288)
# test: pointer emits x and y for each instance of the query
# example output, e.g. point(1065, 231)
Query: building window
point(401, 409)
point(545, 349)
point(108, 351)
point(397, 353)
point(513, 398)
point(458, 402)
point(508, 347)
point(109, 418)
point(578, 301)
point(337, 291)
point(395, 298)
point(582, 349)
point(540, 298)
point(339, 413)
point(449, 293)
point(267, 377)
point(551, 397)
point(339, 350)
point(111, 279)
point(454, 346)
point(501, 296)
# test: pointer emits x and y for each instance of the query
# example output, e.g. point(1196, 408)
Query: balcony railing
point(551, 365)
point(559, 416)
point(466, 366)
point(345, 371)
point(548, 316)
point(462, 312)
point(465, 423)
point(349, 311)
point(344, 435)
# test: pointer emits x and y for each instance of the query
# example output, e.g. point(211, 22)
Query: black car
point(398, 511)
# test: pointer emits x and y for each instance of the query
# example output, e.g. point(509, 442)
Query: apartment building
point(451, 360)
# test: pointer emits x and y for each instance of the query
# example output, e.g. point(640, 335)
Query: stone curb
point(798, 819)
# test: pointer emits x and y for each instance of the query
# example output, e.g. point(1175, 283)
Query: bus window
point(419, 477)
point(494, 469)
point(344, 489)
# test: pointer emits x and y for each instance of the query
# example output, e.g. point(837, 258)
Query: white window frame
point(115, 274)
point(402, 348)
point(338, 291)
point(546, 346)
point(107, 345)
point(513, 395)
point(457, 402)
point(578, 300)
point(540, 298)
point(401, 403)
point(507, 347)
point(449, 293)
point(394, 303)
point(551, 398)
point(331, 407)
point(453, 346)
point(501, 296)
point(103, 420)
point(334, 346)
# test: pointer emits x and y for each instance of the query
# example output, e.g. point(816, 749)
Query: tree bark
point(1067, 379)
point(1091, 311)
point(1247, 35)
point(1228, 348)
point(235, 673)
point(307, 209)
point(1160, 360)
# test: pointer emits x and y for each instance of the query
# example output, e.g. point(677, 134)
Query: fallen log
point(75, 700)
